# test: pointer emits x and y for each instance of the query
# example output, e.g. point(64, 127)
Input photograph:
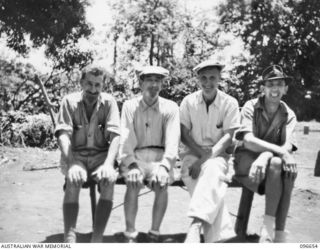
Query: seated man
point(88, 126)
point(264, 163)
point(149, 142)
point(209, 119)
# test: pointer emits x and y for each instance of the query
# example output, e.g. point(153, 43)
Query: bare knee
point(276, 162)
point(275, 166)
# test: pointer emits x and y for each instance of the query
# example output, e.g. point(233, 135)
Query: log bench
point(243, 210)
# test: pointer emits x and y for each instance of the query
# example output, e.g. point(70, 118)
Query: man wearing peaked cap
point(150, 134)
point(264, 163)
point(153, 70)
point(207, 64)
point(209, 118)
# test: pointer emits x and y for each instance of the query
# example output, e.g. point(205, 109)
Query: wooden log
point(244, 213)
point(46, 98)
point(306, 130)
point(317, 166)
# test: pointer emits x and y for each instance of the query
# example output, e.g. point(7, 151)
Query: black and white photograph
point(159, 121)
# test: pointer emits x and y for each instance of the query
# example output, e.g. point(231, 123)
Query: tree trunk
point(151, 50)
point(115, 54)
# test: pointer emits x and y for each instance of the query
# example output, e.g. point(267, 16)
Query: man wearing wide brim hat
point(264, 163)
point(209, 118)
point(275, 72)
point(150, 133)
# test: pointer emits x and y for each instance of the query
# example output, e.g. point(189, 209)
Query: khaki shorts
point(242, 163)
point(88, 162)
point(148, 161)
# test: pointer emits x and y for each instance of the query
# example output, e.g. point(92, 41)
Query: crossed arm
point(202, 154)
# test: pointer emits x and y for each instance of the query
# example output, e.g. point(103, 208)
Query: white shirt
point(208, 127)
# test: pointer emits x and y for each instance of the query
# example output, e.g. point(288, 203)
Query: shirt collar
point(100, 100)
point(145, 106)
point(260, 105)
point(216, 101)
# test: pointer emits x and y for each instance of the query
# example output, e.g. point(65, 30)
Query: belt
point(151, 147)
point(90, 152)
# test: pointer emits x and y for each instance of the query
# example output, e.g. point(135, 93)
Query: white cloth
point(207, 127)
point(207, 197)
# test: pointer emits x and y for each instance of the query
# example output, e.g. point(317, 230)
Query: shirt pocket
point(99, 136)
point(217, 131)
point(79, 136)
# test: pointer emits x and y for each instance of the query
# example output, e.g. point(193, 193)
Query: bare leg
point(70, 212)
point(159, 206)
point(103, 211)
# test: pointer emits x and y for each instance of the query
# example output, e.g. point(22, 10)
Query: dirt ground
point(31, 200)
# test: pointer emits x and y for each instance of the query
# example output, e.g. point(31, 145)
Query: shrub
point(20, 129)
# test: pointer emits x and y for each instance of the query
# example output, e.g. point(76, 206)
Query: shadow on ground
point(142, 238)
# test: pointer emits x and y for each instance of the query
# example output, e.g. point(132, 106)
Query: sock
point(131, 234)
point(268, 225)
point(154, 232)
point(280, 236)
point(101, 216)
point(70, 215)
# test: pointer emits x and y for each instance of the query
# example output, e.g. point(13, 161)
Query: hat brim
point(157, 74)
point(288, 79)
point(198, 69)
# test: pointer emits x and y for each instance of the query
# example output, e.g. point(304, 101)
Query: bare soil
point(31, 200)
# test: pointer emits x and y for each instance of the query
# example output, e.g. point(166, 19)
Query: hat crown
point(156, 70)
point(208, 63)
point(274, 71)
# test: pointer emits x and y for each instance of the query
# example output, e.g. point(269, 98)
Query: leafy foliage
point(279, 32)
point(57, 24)
point(162, 33)
point(19, 92)
point(19, 129)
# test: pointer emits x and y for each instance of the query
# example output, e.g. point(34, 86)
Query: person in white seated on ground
point(150, 134)
point(264, 162)
point(209, 118)
point(88, 128)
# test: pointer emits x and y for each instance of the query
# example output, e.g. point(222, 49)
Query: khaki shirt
point(144, 126)
point(88, 137)
point(278, 131)
point(208, 127)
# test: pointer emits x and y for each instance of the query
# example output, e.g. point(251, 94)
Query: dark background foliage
point(160, 32)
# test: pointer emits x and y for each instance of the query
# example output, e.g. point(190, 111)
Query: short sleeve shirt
point(208, 127)
point(278, 131)
point(88, 135)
